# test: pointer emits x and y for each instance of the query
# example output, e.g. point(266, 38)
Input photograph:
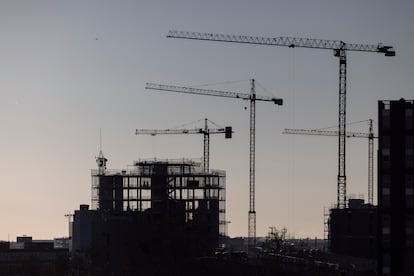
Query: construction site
point(155, 210)
point(174, 210)
point(175, 138)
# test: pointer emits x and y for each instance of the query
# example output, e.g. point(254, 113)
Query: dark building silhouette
point(353, 230)
point(395, 187)
point(154, 212)
point(32, 257)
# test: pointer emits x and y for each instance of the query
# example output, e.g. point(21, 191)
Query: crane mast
point(206, 134)
point(340, 48)
point(370, 136)
point(252, 97)
point(371, 164)
point(341, 194)
point(252, 174)
point(206, 147)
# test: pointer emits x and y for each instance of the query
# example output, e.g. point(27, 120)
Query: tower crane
point(369, 135)
point(205, 131)
point(340, 49)
point(252, 97)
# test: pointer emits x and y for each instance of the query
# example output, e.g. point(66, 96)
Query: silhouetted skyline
point(71, 68)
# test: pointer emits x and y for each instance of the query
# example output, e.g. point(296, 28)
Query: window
point(409, 243)
point(145, 205)
point(386, 201)
point(409, 201)
point(385, 142)
point(133, 205)
point(386, 220)
point(385, 190)
point(386, 261)
point(409, 143)
point(409, 121)
point(409, 225)
point(146, 194)
point(386, 242)
point(133, 182)
point(133, 194)
point(386, 181)
point(386, 158)
point(409, 181)
point(409, 190)
point(145, 182)
point(409, 151)
point(371, 224)
point(386, 118)
point(199, 193)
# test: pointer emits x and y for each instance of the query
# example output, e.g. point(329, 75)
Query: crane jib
point(290, 42)
point(209, 92)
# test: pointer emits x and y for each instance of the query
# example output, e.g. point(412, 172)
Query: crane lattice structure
point(205, 131)
point(348, 134)
point(340, 49)
point(252, 97)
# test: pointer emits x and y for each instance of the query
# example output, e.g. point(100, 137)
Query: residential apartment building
point(395, 188)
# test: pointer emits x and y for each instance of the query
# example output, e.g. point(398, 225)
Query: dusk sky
point(69, 68)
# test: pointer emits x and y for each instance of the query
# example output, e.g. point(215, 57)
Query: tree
point(276, 239)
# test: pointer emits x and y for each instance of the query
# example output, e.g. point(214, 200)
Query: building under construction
point(353, 230)
point(155, 210)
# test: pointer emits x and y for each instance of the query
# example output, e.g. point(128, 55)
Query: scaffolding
point(152, 185)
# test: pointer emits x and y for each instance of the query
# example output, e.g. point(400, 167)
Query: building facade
point(33, 257)
point(152, 184)
point(353, 230)
point(395, 187)
point(153, 212)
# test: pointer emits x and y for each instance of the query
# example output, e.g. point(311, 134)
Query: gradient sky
point(69, 68)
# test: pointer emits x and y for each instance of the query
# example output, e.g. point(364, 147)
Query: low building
point(32, 257)
point(353, 230)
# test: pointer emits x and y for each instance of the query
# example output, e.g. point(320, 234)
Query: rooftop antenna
point(100, 139)
point(101, 160)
